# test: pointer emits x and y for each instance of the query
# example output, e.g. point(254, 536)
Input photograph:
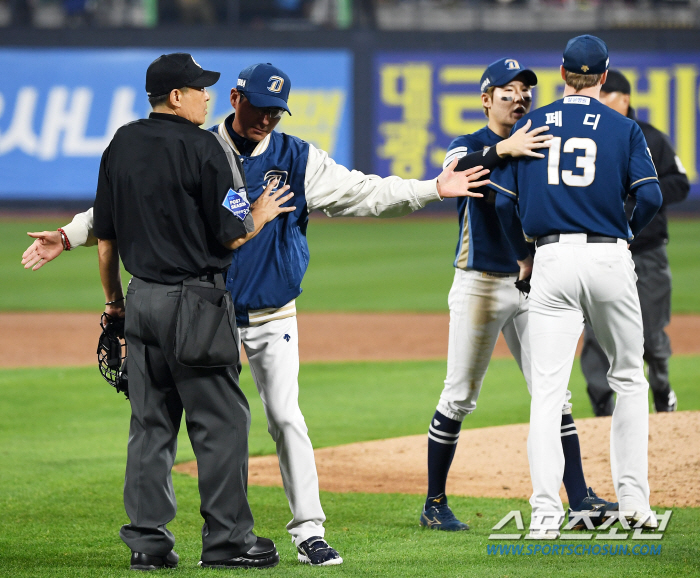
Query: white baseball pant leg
point(618, 322)
point(274, 363)
point(571, 279)
point(517, 338)
point(481, 306)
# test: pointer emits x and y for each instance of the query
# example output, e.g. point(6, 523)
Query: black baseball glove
point(111, 353)
point(523, 285)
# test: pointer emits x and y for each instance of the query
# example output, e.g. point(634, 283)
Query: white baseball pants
point(573, 280)
point(273, 353)
point(482, 305)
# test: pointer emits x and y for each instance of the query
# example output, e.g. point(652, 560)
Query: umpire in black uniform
point(651, 264)
point(171, 202)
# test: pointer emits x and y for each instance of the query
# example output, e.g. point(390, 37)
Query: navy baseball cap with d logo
point(502, 71)
point(265, 86)
point(586, 55)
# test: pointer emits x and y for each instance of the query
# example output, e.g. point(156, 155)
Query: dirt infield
point(71, 338)
point(492, 462)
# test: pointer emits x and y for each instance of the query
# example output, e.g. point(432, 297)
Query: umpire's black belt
point(547, 239)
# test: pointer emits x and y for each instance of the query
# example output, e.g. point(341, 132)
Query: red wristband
point(64, 240)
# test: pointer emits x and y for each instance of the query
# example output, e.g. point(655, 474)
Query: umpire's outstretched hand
point(452, 184)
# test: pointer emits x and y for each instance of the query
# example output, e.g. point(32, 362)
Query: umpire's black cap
point(616, 82)
point(177, 70)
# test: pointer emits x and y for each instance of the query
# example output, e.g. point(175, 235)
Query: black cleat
point(262, 555)
point(141, 561)
point(317, 552)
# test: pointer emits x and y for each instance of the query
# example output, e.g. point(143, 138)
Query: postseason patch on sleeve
point(237, 202)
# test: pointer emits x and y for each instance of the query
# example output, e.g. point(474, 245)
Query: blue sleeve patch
point(237, 202)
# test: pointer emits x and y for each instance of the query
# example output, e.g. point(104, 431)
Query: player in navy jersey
point(485, 302)
point(572, 203)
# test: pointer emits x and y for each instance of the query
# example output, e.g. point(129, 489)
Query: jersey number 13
point(585, 161)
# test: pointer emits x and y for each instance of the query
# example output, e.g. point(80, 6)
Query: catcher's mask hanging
point(111, 353)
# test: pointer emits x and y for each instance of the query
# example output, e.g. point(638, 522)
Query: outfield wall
point(388, 103)
point(423, 100)
point(62, 107)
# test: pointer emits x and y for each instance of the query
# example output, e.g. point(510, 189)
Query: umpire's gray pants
point(654, 288)
point(217, 417)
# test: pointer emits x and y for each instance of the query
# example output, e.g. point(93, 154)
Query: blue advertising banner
point(424, 100)
point(60, 108)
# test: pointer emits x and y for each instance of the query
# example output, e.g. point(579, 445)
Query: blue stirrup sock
point(574, 480)
point(443, 435)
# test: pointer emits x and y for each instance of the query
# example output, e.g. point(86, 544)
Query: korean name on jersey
point(597, 157)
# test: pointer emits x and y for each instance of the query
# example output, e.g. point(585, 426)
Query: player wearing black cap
point(650, 263)
point(171, 202)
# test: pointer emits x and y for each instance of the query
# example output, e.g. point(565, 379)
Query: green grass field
point(63, 432)
point(356, 397)
point(356, 265)
point(63, 440)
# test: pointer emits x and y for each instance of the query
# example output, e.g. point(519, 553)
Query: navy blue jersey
point(597, 158)
point(266, 272)
point(482, 244)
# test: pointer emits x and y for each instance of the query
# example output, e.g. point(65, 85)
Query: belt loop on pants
point(547, 239)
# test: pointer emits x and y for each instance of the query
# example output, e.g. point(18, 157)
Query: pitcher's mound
point(492, 462)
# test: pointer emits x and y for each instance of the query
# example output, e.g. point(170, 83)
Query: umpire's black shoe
point(262, 555)
point(665, 401)
point(141, 561)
